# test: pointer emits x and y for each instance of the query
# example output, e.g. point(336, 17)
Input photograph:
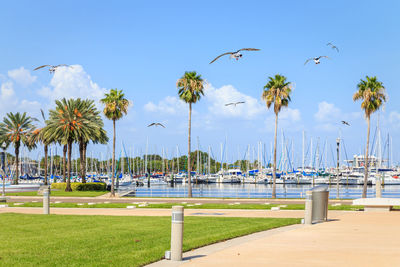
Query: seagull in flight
point(236, 55)
point(316, 59)
point(155, 124)
point(235, 103)
point(333, 46)
point(52, 68)
point(345, 123)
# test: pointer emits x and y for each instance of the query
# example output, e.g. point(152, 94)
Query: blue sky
point(143, 47)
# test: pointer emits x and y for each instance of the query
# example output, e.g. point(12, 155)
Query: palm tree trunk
point(189, 163)
point(16, 164)
point(64, 163)
point(274, 167)
point(68, 188)
point(22, 172)
point(113, 164)
point(84, 161)
point(364, 194)
point(81, 159)
point(45, 163)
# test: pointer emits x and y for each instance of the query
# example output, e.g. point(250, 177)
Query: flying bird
point(345, 123)
point(52, 68)
point(235, 103)
point(236, 55)
point(315, 59)
point(155, 124)
point(333, 46)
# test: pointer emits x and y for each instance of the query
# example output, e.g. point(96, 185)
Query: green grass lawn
point(62, 193)
point(66, 240)
point(187, 206)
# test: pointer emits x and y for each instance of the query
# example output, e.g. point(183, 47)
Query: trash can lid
point(320, 188)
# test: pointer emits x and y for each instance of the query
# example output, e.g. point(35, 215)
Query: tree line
point(70, 122)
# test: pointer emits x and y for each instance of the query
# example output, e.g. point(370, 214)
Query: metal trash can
point(320, 199)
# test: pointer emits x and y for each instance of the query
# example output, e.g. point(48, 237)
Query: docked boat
point(231, 176)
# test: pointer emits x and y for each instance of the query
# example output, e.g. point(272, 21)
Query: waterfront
point(254, 191)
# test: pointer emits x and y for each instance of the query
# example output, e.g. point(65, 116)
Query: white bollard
point(177, 233)
point(378, 187)
point(46, 201)
point(308, 208)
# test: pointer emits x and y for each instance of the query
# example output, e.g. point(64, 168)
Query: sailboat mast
point(326, 154)
point(209, 161)
point(248, 157)
point(122, 164)
point(51, 162)
point(391, 151)
point(292, 161)
point(379, 145)
point(317, 155)
point(221, 157)
point(162, 158)
point(177, 158)
point(311, 154)
point(133, 160)
point(145, 156)
point(198, 160)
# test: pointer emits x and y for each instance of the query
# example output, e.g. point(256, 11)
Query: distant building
point(358, 161)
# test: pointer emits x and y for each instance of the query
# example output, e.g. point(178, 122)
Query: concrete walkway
point(160, 212)
point(102, 198)
point(352, 239)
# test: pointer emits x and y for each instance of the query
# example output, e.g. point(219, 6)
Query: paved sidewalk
point(352, 239)
point(102, 198)
point(207, 250)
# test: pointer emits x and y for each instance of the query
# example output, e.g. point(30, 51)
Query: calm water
point(256, 191)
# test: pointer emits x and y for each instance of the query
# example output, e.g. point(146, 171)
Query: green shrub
point(81, 186)
point(91, 187)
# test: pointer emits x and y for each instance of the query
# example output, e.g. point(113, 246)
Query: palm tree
point(190, 89)
point(372, 93)
point(39, 135)
point(16, 128)
point(115, 108)
point(97, 133)
point(66, 124)
point(99, 136)
point(276, 91)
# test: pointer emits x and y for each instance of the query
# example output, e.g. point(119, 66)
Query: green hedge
point(81, 186)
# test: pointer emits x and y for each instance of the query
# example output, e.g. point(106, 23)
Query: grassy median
point(62, 193)
point(69, 240)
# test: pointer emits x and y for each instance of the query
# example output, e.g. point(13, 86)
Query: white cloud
point(22, 76)
point(327, 112)
point(288, 119)
point(218, 97)
point(11, 103)
point(329, 117)
point(215, 99)
point(7, 98)
point(72, 82)
point(31, 107)
point(7, 92)
point(290, 115)
point(169, 105)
